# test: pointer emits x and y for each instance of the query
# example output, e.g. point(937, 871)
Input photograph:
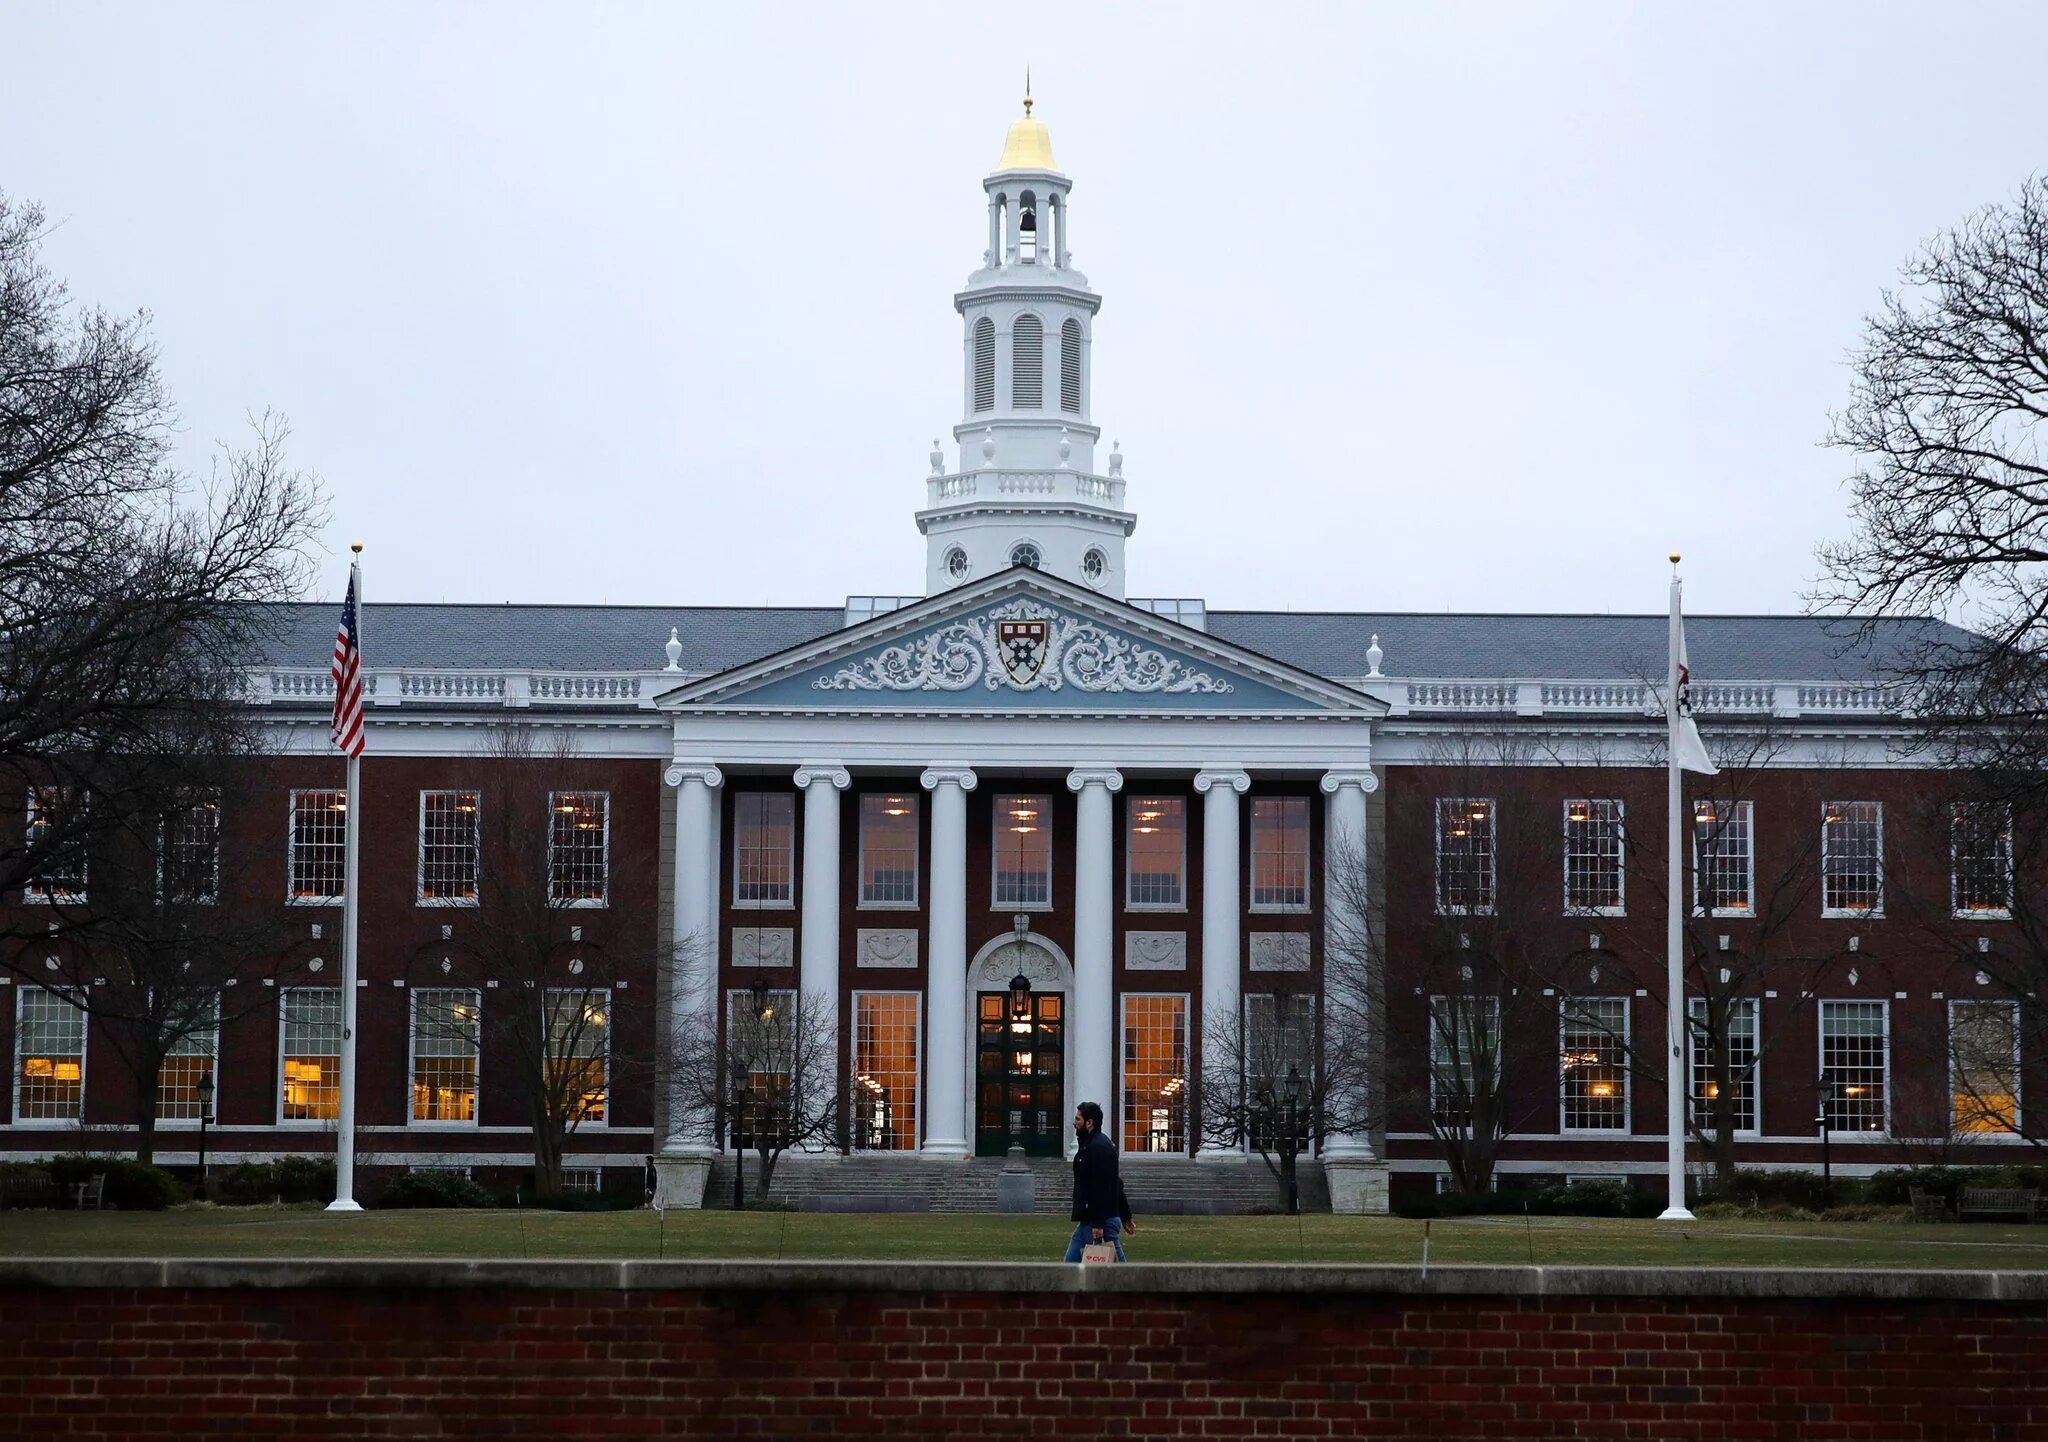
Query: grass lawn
point(1545, 1241)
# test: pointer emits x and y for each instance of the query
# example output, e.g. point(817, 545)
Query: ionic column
point(1348, 999)
point(818, 965)
point(1093, 1017)
point(693, 990)
point(1222, 915)
point(945, 1082)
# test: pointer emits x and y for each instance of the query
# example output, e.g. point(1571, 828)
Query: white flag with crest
point(1688, 750)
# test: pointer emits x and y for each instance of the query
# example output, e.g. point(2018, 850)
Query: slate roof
point(1333, 644)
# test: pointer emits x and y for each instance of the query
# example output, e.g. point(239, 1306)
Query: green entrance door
point(1018, 1076)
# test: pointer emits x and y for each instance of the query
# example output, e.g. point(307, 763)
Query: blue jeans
point(1084, 1233)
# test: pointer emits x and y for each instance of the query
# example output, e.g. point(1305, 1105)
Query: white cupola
point(1025, 491)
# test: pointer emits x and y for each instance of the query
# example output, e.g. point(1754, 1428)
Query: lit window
point(578, 1053)
point(1984, 1066)
point(760, 1047)
point(49, 1052)
point(1980, 860)
point(579, 848)
point(1593, 1064)
point(1026, 555)
point(1853, 1061)
point(52, 828)
point(1852, 858)
point(446, 1038)
point(1280, 1036)
point(1465, 1056)
point(1723, 858)
point(1155, 1073)
point(1593, 858)
point(1464, 856)
point(763, 848)
point(885, 1074)
point(1023, 858)
point(191, 1056)
point(1155, 852)
point(888, 850)
point(311, 1051)
point(190, 873)
point(1279, 853)
point(318, 847)
point(449, 842)
point(1739, 1046)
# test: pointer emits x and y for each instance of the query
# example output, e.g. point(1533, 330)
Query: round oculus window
point(1094, 564)
point(956, 564)
point(1025, 555)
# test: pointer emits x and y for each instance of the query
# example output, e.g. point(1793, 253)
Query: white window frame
point(583, 903)
point(283, 1008)
point(21, 994)
point(476, 842)
point(611, 1018)
point(1955, 907)
point(586, 1180)
point(1627, 1126)
point(1492, 855)
point(735, 998)
point(291, 844)
point(1308, 889)
point(916, 853)
point(917, 1052)
point(1620, 856)
point(212, 1054)
point(412, 1057)
point(37, 891)
point(1748, 809)
point(1123, 1017)
point(1873, 912)
point(2019, 1100)
point(995, 851)
point(166, 839)
point(1820, 1043)
point(1309, 1001)
point(1491, 1006)
point(1756, 1070)
point(788, 901)
point(1131, 804)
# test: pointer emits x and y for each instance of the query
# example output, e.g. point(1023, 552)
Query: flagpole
point(345, 1148)
point(1674, 899)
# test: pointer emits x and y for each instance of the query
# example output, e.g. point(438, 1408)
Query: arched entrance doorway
point(1019, 1082)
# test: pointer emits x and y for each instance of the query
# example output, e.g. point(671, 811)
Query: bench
point(1927, 1206)
point(2020, 1202)
point(90, 1194)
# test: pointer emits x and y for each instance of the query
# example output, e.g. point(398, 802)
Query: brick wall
point(438, 1350)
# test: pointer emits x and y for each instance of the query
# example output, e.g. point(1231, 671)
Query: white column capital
point(823, 771)
point(1364, 780)
point(1107, 776)
point(938, 776)
point(1213, 776)
point(681, 771)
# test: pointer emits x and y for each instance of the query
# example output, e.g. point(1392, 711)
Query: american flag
point(347, 728)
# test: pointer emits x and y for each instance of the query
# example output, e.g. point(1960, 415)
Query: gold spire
point(1028, 146)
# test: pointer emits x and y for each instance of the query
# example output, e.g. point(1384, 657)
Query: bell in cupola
point(1027, 232)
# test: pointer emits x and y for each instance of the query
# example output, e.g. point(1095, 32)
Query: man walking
point(1098, 1189)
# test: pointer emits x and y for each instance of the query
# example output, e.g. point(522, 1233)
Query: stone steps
point(1158, 1186)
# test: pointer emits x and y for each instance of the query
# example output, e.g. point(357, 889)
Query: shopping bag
point(1098, 1252)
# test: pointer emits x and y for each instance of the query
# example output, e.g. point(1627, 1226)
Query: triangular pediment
point(1020, 641)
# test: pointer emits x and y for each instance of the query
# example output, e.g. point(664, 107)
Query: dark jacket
point(1098, 1190)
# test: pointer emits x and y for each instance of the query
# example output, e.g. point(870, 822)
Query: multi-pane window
point(888, 850)
point(1852, 858)
point(49, 1057)
point(1280, 853)
point(1464, 856)
point(582, 1179)
point(318, 847)
point(579, 1050)
point(62, 877)
point(1984, 1066)
point(579, 848)
point(1280, 1038)
point(1852, 1064)
point(885, 1075)
point(450, 841)
point(446, 1040)
point(1155, 852)
point(1023, 852)
point(190, 872)
point(1723, 858)
point(310, 1076)
point(1592, 858)
point(1980, 860)
point(760, 1047)
point(1593, 1064)
point(1155, 1073)
point(1740, 1045)
point(763, 848)
point(192, 1055)
point(1465, 1056)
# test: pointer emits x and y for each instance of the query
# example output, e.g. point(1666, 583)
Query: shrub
point(1866, 1212)
point(1584, 1199)
point(27, 1184)
point(288, 1179)
point(1891, 1187)
point(434, 1189)
point(1721, 1211)
point(1799, 1190)
point(131, 1186)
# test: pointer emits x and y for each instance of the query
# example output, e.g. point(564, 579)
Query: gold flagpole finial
point(1674, 558)
point(356, 546)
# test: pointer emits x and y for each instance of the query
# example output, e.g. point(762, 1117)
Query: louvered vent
point(984, 364)
point(1070, 368)
point(1027, 364)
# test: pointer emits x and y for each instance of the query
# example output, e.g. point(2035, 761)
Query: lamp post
point(1293, 1094)
point(205, 1115)
point(1825, 1087)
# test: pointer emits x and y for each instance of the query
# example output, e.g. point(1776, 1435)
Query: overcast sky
point(1457, 308)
